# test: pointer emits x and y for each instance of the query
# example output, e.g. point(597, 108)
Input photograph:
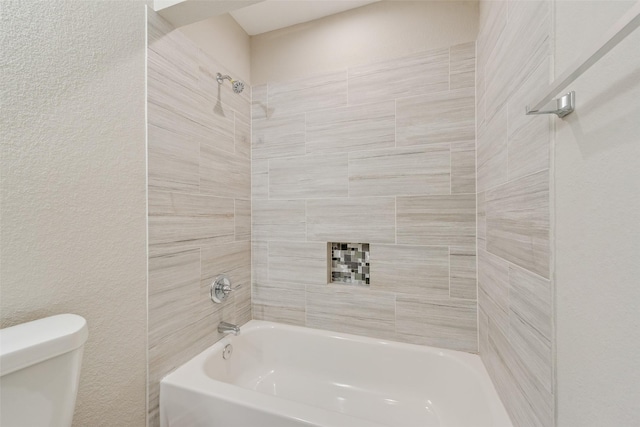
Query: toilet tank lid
point(36, 341)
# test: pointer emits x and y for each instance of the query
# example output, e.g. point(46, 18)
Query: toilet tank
point(40, 370)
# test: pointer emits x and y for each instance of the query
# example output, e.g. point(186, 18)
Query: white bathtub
point(286, 376)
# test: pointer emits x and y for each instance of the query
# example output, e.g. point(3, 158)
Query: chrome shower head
point(238, 85)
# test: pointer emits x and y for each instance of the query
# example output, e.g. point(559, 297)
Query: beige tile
point(259, 179)
point(439, 117)
point(282, 302)
point(173, 161)
point(529, 402)
point(463, 167)
point(298, 262)
point(259, 102)
point(492, 152)
point(493, 20)
point(522, 46)
point(400, 171)
point(531, 300)
point(530, 318)
point(231, 259)
point(529, 137)
point(482, 221)
point(493, 289)
point(353, 310)
point(319, 92)
point(518, 222)
point(278, 137)
point(416, 270)
point(356, 220)
point(224, 174)
point(242, 135)
point(311, 176)
point(157, 29)
point(174, 292)
point(421, 73)
point(242, 219)
point(243, 304)
point(189, 220)
point(462, 66)
point(361, 127)
point(190, 112)
point(278, 220)
point(443, 322)
point(463, 272)
point(437, 220)
point(259, 262)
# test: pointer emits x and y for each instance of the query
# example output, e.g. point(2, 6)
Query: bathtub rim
point(190, 376)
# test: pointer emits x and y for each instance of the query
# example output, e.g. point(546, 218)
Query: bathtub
point(289, 376)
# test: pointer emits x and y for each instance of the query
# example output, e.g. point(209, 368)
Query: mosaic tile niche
point(350, 263)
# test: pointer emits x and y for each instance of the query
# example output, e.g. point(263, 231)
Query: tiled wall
point(199, 201)
point(383, 154)
point(515, 290)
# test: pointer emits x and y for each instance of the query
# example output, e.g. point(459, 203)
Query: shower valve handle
point(220, 289)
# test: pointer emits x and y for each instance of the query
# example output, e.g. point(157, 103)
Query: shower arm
point(220, 78)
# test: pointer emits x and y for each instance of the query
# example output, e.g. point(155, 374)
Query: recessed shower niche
point(349, 263)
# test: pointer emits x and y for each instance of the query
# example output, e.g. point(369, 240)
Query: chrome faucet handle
point(220, 288)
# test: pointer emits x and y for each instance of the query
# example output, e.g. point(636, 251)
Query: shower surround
point(384, 154)
point(514, 277)
point(199, 201)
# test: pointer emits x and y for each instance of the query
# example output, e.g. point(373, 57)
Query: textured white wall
point(597, 205)
point(224, 39)
point(383, 30)
point(73, 188)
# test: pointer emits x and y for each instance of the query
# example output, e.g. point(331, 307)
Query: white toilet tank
point(40, 370)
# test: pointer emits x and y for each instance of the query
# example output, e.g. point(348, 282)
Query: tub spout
point(228, 328)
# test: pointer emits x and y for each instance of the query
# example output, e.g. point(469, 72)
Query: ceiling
point(272, 15)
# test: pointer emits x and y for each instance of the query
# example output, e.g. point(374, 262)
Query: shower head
point(238, 85)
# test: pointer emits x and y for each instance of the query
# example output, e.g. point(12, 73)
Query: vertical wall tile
point(259, 179)
point(298, 262)
point(259, 102)
point(463, 167)
point(308, 176)
point(232, 259)
point(529, 137)
point(462, 66)
point(278, 220)
point(437, 220)
point(278, 137)
point(530, 322)
point(189, 221)
point(224, 174)
point(199, 148)
point(492, 152)
point(242, 135)
point(518, 222)
point(400, 171)
point(354, 220)
point(320, 92)
point(352, 310)
point(463, 272)
point(361, 127)
point(242, 219)
point(441, 323)
point(426, 72)
point(283, 303)
point(439, 117)
point(482, 221)
point(259, 262)
point(173, 161)
point(493, 289)
point(416, 270)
